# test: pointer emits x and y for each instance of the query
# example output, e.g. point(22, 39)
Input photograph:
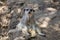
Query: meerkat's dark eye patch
point(32, 10)
point(26, 9)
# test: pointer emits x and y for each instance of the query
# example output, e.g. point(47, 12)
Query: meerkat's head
point(29, 11)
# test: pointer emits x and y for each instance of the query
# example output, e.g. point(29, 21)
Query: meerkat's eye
point(26, 9)
point(32, 10)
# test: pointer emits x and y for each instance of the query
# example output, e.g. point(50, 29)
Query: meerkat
point(33, 28)
point(24, 22)
point(27, 23)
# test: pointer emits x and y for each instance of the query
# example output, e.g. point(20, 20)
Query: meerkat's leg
point(25, 30)
point(32, 31)
point(35, 30)
point(39, 31)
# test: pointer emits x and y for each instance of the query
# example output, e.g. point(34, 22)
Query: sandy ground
point(47, 13)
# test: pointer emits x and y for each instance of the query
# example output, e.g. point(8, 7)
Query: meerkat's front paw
point(32, 32)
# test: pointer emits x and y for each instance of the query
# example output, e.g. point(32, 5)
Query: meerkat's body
point(27, 24)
